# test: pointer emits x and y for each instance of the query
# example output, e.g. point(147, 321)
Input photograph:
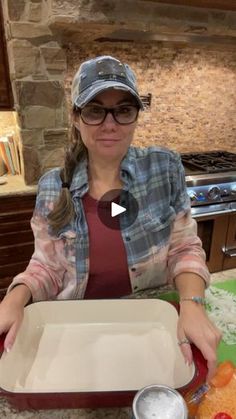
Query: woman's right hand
point(12, 313)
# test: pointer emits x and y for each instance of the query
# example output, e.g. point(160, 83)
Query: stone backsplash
point(193, 106)
point(192, 82)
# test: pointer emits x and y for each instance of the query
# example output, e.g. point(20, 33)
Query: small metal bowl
point(159, 402)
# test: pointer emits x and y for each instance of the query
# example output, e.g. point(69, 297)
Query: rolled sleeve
point(185, 251)
point(45, 272)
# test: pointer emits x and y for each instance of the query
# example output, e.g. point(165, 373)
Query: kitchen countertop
point(15, 185)
point(8, 412)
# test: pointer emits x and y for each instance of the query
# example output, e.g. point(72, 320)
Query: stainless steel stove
point(211, 185)
point(211, 180)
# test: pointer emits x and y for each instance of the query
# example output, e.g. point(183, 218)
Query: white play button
point(116, 209)
point(116, 216)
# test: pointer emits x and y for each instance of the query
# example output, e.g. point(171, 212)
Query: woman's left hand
point(195, 327)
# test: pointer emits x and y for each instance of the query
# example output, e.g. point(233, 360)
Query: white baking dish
point(93, 346)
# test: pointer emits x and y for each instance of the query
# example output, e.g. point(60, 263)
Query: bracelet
point(196, 299)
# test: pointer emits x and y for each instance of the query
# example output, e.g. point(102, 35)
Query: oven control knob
point(214, 192)
point(192, 195)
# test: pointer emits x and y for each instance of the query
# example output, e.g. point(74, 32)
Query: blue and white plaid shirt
point(160, 244)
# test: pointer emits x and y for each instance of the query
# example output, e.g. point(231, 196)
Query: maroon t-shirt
point(108, 270)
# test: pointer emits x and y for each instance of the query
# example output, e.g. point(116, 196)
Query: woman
point(74, 248)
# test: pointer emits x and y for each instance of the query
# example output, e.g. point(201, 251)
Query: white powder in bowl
point(160, 405)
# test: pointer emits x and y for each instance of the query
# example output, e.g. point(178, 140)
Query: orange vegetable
point(192, 408)
point(219, 402)
point(223, 375)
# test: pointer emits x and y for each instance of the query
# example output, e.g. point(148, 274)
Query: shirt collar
point(79, 184)
point(128, 163)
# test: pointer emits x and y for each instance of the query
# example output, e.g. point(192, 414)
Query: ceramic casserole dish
point(95, 353)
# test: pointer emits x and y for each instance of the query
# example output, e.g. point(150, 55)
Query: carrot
point(223, 374)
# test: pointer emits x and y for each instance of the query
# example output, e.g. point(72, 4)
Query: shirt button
point(133, 269)
point(127, 238)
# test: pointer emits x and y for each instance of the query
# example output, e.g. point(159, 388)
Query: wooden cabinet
point(6, 98)
point(230, 248)
point(218, 234)
point(16, 237)
point(210, 4)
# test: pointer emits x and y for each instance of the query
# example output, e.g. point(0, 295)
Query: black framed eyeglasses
point(96, 115)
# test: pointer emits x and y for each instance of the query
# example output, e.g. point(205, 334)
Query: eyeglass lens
point(95, 115)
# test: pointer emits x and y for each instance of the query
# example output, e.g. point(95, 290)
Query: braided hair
point(63, 211)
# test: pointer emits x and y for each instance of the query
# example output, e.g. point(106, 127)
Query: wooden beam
point(209, 4)
point(6, 96)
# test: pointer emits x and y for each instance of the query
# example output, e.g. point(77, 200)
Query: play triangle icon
point(116, 209)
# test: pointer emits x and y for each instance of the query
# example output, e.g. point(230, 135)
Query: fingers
point(183, 341)
point(208, 349)
point(11, 336)
point(209, 354)
point(11, 316)
point(187, 353)
point(185, 348)
point(205, 336)
point(212, 366)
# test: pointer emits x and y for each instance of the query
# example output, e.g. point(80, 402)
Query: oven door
point(217, 230)
point(212, 230)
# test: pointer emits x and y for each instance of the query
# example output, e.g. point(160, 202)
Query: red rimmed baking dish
point(95, 353)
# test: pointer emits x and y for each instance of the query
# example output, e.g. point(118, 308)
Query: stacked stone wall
point(193, 87)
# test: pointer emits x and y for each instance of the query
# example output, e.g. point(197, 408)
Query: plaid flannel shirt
point(160, 244)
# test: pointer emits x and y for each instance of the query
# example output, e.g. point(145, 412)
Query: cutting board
point(227, 352)
point(224, 351)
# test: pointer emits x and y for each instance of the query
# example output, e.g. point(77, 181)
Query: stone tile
point(28, 30)
point(40, 93)
point(16, 9)
point(8, 412)
point(23, 58)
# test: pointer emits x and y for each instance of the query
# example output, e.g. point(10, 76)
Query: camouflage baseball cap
point(99, 74)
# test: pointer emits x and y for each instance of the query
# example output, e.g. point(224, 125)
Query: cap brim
point(92, 91)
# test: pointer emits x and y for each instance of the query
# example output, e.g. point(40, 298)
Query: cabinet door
point(230, 248)
point(16, 237)
point(6, 99)
point(212, 230)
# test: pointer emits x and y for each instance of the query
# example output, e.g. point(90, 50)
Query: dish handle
point(2, 339)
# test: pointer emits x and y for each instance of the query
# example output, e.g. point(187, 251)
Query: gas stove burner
point(210, 162)
point(210, 178)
